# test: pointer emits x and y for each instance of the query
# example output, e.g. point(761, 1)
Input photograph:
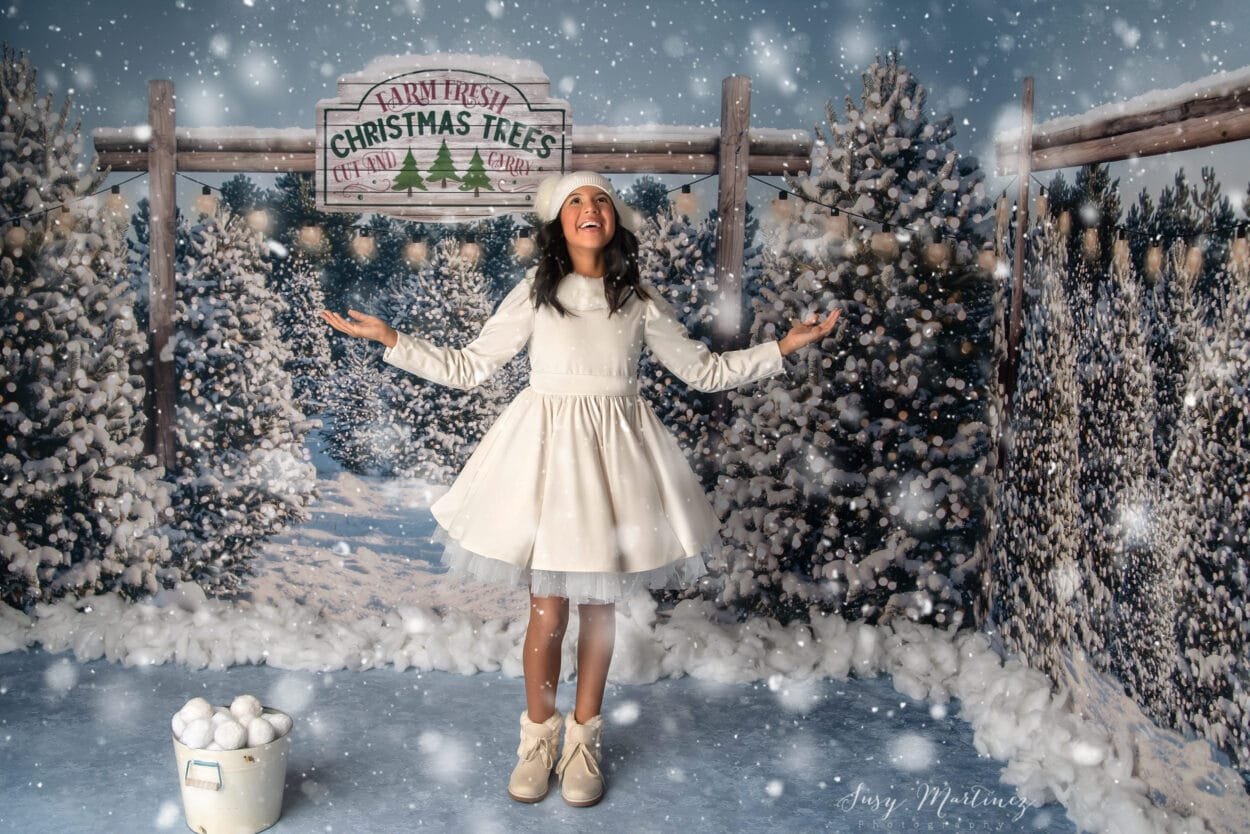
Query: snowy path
point(86, 747)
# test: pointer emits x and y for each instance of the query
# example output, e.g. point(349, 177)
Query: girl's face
point(588, 218)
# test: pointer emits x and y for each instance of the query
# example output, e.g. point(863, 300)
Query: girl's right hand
point(365, 326)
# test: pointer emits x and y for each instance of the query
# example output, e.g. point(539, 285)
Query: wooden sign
point(440, 137)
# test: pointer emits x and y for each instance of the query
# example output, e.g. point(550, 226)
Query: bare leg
point(595, 641)
point(549, 617)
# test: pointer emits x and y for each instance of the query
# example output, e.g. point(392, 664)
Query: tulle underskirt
point(576, 586)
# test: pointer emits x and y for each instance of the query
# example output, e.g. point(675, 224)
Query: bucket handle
point(202, 783)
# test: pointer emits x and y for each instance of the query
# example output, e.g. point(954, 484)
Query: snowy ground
point(406, 691)
point(84, 751)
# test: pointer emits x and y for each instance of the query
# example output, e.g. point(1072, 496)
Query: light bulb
point(938, 254)
point(987, 260)
point(206, 203)
point(14, 237)
point(416, 252)
point(686, 202)
point(1239, 253)
point(258, 220)
point(363, 245)
point(523, 248)
point(1154, 260)
point(1193, 261)
point(470, 251)
point(116, 204)
point(1089, 244)
point(838, 226)
point(885, 245)
point(782, 208)
point(310, 238)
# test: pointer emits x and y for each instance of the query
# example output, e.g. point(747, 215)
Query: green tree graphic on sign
point(409, 177)
point(443, 168)
point(475, 178)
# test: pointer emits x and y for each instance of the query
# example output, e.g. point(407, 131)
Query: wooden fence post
point(731, 205)
point(162, 163)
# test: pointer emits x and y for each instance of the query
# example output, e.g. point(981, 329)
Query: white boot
point(532, 774)
point(581, 779)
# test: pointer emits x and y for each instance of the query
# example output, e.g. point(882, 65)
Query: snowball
point(179, 724)
point(196, 708)
point(221, 715)
point(230, 735)
point(214, 746)
point(281, 722)
point(197, 733)
point(245, 708)
point(260, 731)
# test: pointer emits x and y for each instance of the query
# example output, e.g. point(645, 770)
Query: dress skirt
point(580, 495)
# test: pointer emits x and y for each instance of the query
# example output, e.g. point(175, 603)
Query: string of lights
point(1123, 230)
point(34, 216)
point(258, 219)
point(834, 211)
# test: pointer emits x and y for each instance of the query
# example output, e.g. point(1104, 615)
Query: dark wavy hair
point(620, 256)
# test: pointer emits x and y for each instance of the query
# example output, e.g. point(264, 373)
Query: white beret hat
point(554, 189)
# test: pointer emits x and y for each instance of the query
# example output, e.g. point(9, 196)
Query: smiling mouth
point(589, 225)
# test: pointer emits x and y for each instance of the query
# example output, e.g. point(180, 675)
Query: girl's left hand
point(803, 333)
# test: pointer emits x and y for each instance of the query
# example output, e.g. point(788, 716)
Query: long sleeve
point(501, 338)
point(696, 364)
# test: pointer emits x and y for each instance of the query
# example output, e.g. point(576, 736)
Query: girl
point(577, 492)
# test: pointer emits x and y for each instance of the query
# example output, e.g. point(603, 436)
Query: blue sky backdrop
point(261, 63)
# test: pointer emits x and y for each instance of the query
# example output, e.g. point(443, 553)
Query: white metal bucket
point(233, 791)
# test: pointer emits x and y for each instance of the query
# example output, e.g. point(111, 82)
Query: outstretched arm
point(502, 337)
point(695, 363)
point(704, 370)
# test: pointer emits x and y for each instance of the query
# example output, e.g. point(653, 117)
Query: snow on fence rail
point(1209, 111)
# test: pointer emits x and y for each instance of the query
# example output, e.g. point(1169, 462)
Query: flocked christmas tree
point(81, 503)
point(672, 258)
point(297, 280)
point(435, 428)
point(241, 471)
point(358, 436)
point(1038, 594)
point(1126, 581)
point(1210, 470)
point(859, 488)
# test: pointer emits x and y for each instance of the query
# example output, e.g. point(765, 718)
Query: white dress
point(578, 490)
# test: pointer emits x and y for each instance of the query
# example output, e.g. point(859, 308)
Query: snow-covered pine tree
point(671, 257)
point(81, 503)
point(241, 471)
point(240, 194)
point(1093, 204)
point(649, 196)
point(1038, 596)
point(1199, 217)
point(1128, 583)
point(357, 435)
point(297, 279)
point(447, 301)
point(1211, 470)
point(863, 492)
